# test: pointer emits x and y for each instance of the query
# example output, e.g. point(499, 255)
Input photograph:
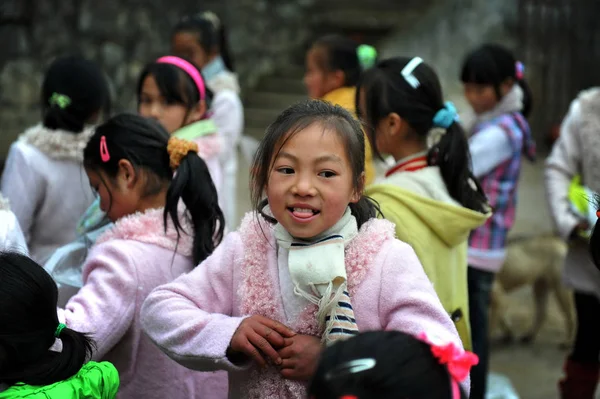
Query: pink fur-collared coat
point(194, 317)
point(127, 263)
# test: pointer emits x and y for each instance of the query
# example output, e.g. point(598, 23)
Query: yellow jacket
point(437, 228)
point(345, 97)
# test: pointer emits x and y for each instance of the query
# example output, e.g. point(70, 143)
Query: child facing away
point(499, 136)
point(11, 235)
point(333, 66)
point(43, 174)
point(391, 365)
point(30, 327)
point(310, 266)
point(430, 194)
point(202, 39)
point(161, 199)
point(576, 152)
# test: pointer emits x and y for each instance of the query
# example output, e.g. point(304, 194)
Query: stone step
point(360, 19)
point(279, 101)
point(282, 85)
point(260, 118)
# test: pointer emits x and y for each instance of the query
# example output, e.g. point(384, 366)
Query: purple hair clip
point(104, 155)
point(519, 70)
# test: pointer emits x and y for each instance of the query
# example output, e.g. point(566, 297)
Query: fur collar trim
point(224, 81)
point(259, 290)
point(148, 227)
point(58, 144)
point(4, 203)
point(511, 102)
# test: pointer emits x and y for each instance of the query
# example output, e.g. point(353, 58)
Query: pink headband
point(457, 360)
point(187, 68)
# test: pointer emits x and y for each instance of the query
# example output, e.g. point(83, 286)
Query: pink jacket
point(127, 263)
point(194, 317)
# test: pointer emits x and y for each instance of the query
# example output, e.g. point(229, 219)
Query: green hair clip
point(62, 101)
point(367, 55)
point(61, 326)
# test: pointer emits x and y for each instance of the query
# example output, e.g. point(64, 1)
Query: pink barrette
point(104, 155)
point(519, 70)
point(188, 68)
point(457, 360)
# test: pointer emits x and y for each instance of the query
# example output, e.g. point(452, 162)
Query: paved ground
point(533, 369)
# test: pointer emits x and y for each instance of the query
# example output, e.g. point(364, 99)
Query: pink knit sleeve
point(105, 306)
point(190, 319)
point(408, 302)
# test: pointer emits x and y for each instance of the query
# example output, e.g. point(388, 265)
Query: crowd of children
point(338, 284)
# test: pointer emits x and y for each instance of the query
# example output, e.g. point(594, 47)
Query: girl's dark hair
point(340, 54)
point(387, 91)
point(404, 368)
point(175, 85)
point(492, 64)
point(293, 120)
point(87, 90)
point(211, 33)
point(143, 142)
point(29, 321)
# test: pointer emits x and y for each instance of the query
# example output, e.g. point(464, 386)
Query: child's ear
point(358, 191)
point(394, 124)
point(339, 78)
point(196, 113)
point(506, 86)
point(127, 174)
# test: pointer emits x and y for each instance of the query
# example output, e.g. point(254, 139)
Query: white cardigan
point(11, 236)
point(577, 151)
point(47, 187)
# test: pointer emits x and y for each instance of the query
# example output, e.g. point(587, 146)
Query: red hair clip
point(457, 360)
point(598, 214)
point(104, 155)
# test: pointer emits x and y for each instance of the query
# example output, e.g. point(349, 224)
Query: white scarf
point(317, 266)
point(511, 102)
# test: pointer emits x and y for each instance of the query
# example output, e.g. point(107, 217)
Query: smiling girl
point(310, 266)
point(160, 196)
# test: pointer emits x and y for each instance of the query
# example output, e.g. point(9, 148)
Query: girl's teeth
point(303, 210)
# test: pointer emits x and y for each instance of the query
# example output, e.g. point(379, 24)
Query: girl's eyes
point(327, 174)
point(285, 171)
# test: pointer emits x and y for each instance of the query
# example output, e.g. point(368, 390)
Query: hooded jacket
point(438, 228)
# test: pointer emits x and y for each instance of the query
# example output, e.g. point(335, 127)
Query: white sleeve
point(11, 236)
point(228, 115)
point(489, 148)
point(562, 165)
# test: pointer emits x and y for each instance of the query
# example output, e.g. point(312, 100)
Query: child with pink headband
point(172, 91)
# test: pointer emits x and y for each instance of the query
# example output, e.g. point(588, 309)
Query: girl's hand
point(300, 357)
point(257, 336)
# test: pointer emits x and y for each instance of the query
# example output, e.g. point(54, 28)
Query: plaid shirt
point(500, 184)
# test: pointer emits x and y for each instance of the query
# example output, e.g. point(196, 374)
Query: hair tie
point(519, 70)
point(457, 361)
point(104, 155)
point(178, 149)
point(188, 68)
point(366, 55)
point(61, 326)
point(407, 72)
point(598, 214)
point(446, 116)
point(62, 101)
point(212, 18)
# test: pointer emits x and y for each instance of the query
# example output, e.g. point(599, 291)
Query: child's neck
point(408, 150)
point(155, 201)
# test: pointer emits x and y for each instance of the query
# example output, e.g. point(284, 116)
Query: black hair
point(29, 321)
point(386, 91)
point(296, 118)
point(175, 85)
point(211, 34)
point(83, 82)
point(143, 142)
point(340, 54)
point(492, 64)
point(396, 365)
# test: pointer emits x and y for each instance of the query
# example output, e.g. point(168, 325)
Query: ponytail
point(224, 50)
point(527, 97)
point(451, 154)
point(194, 186)
point(29, 327)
